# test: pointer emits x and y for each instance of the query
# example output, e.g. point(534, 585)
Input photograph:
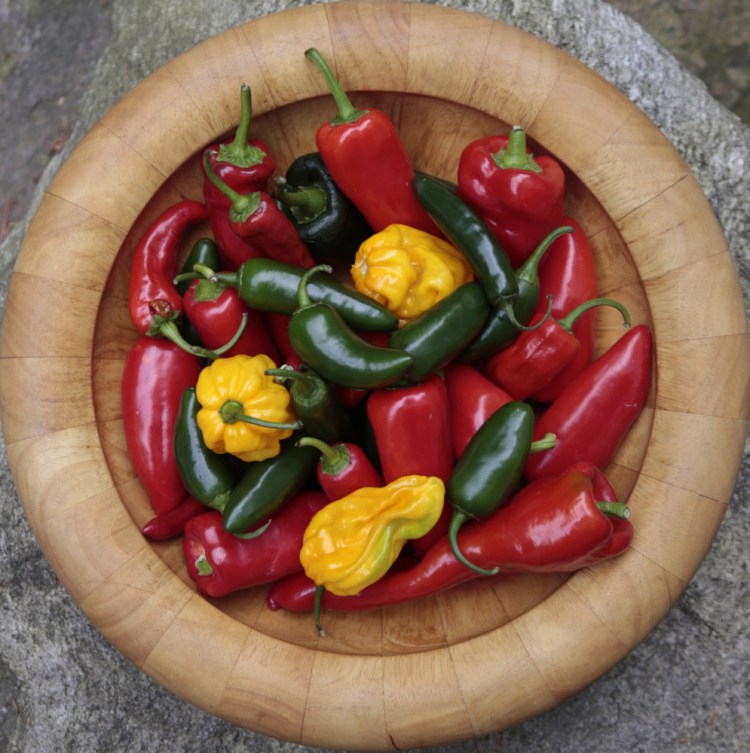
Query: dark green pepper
point(207, 475)
point(329, 224)
point(437, 336)
point(490, 469)
point(499, 331)
point(324, 341)
point(315, 404)
point(266, 485)
point(269, 285)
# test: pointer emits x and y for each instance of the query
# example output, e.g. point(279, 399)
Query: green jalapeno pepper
point(270, 285)
point(490, 468)
point(324, 341)
point(207, 475)
point(315, 404)
point(437, 336)
point(266, 485)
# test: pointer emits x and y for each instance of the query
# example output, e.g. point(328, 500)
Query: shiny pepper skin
point(353, 541)
point(408, 270)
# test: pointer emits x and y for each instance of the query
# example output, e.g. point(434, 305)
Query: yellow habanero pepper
point(353, 541)
point(408, 270)
point(243, 411)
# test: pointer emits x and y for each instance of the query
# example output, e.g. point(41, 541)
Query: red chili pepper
point(154, 302)
point(567, 275)
point(537, 356)
point(257, 219)
point(519, 196)
point(216, 311)
point(343, 468)
point(364, 154)
point(472, 399)
point(278, 327)
point(156, 374)
point(171, 524)
point(551, 525)
point(221, 563)
point(594, 412)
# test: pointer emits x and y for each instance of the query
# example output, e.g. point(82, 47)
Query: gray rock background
point(686, 688)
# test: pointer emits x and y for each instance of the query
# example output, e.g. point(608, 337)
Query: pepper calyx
point(239, 152)
point(515, 156)
point(333, 459)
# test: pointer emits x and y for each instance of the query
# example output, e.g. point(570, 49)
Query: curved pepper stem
point(348, 113)
point(239, 152)
point(243, 205)
point(303, 297)
point(547, 442)
point(457, 520)
point(529, 270)
point(569, 320)
point(333, 459)
point(233, 411)
point(253, 534)
point(306, 203)
point(614, 509)
point(511, 314)
point(515, 156)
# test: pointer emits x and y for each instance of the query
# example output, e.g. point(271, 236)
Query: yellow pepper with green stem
point(353, 541)
point(408, 270)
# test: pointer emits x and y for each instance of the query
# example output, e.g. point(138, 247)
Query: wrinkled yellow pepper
point(353, 541)
point(235, 394)
point(408, 270)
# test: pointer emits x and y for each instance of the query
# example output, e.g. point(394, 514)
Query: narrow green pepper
point(437, 336)
point(490, 468)
point(269, 285)
point(204, 251)
point(324, 341)
point(315, 404)
point(266, 485)
point(208, 476)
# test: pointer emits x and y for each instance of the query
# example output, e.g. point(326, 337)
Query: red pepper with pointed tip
point(171, 524)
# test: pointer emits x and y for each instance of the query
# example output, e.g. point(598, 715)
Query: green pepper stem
point(239, 152)
point(202, 565)
point(614, 509)
point(253, 534)
point(547, 442)
point(457, 520)
point(303, 297)
point(243, 205)
point(348, 113)
point(529, 270)
point(511, 314)
point(569, 320)
point(515, 156)
point(168, 329)
point(318, 605)
point(333, 460)
point(232, 411)
point(306, 203)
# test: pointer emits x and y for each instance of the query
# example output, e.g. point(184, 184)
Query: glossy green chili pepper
point(437, 336)
point(490, 468)
point(269, 285)
point(499, 331)
point(315, 404)
point(204, 251)
point(207, 475)
point(266, 485)
point(324, 341)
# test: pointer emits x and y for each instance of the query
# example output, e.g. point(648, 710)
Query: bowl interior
point(434, 132)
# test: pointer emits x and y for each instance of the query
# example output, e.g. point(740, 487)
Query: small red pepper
point(217, 312)
point(343, 468)
point(567, 277)
point(171, 524)
point(364, 154)
point(537, 356)
point(156, 374)
point(257, 219)
point(594, 412)
point(551, 525)
point(154, 302)
point(519, 196)
point(472, 399)
point(221, 563)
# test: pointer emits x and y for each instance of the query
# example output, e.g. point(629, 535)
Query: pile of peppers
point(363, 384)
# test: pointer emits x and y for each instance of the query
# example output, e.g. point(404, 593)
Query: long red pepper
point(519, 197)
point(536, 357)
point(567, 276)
point(156, 374)
point(551, 525)
point(593, 414)
point(364, 154)
point(171, 524)
point(221, 563)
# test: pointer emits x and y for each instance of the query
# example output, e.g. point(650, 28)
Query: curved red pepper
point(171, 524)
point(364, 154)
point(221, 563)
point(156, 374)
point(472, 399)
point(551, 525)
point(154, 302)
point(567, 275)
point(216, 311)
point(594, 412)
point(518, 196)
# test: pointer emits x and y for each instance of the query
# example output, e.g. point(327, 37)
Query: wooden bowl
point(468, 662)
